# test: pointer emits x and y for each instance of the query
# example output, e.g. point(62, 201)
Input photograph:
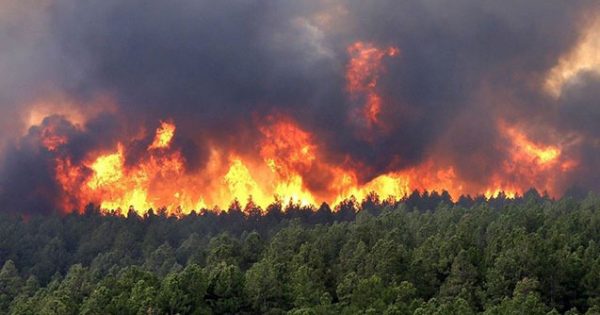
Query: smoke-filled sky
point(380, 87)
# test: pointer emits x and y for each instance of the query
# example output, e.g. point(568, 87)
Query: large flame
point(288, 157)
point(164, 135)
point(529, 164)
point(288, 165)
point(362, 74)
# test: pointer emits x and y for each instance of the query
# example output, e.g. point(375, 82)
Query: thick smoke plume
point(481, 96)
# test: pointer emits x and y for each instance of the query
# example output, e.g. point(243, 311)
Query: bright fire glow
point(362, 74)
point(107, 169)
point(290, 165)
point(529, 164)
point(541, 155)
point(164, 135)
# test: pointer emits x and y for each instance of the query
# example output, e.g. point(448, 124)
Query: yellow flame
point(541, 154)
point(292, 190)
point(164, 135)
point(107, 169)
point(136, 198)
point(241, 184)
point(289, 158)
point(493, 193)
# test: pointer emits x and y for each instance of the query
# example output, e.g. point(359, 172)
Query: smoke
point(578, 111)
point(219, 68)
point(24, 72)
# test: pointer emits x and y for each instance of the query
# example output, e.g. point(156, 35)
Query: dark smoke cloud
point(26, 59)
point(459, 60)
point(28, 178)
point(27, 181)
point(217, 67)
point(578, 114)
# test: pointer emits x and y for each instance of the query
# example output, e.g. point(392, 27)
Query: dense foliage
point(422, 255)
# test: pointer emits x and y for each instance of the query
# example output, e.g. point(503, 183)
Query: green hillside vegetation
point(425, 255)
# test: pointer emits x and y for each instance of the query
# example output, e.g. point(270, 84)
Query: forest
point(423, 254)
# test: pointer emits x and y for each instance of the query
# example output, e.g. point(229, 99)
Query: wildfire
point(288, 163)
point(321, 106)
point(164, 135)
point(362, 74)
point(529, 164)
point(241, 183)
point(527, 149)
point(107, 169)
point(286, 148)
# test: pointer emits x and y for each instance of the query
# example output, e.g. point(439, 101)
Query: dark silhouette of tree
point(422, 254)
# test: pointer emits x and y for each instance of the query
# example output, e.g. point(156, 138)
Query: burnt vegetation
point(423, 254)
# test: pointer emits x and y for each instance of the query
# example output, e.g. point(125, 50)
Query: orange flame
point(164, 135)
point(290, 166)
point(362, 74)
point(529, 164)
point(525, 148)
